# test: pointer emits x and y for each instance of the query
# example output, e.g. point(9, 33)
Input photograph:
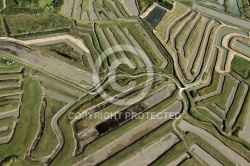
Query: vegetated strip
point(205, 156)
point(122, 117)
point(129, 137)
point(213, 141)
point(151, 153)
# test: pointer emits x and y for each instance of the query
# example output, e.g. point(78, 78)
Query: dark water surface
point(155, 16)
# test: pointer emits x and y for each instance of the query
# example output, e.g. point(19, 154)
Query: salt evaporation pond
point(234, 8)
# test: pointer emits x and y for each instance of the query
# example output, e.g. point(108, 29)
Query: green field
point(185, 49)
point(26, 23)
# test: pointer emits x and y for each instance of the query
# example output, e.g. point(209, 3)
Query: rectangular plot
point(128, 138)
point(151, 153)
point(68, 8)
point(214, 141)
point(210, 160)
point(78, 10)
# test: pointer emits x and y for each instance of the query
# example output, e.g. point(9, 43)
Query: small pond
point(155, 16)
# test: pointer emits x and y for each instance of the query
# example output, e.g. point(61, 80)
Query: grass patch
point(65, 157)
point(241, 66)
point(139, 145)
point(28, 123)
point(49, 139)
point(221, 99)
point(188, 3)
point(27, 23)
point(241, 119)
point(171, 155)
point(212, 87)
point(144, 5)
point(232, 111)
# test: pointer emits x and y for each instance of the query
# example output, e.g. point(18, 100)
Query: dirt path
point(58, 39)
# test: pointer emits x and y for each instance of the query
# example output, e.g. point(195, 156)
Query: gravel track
point(73, 42)
point(55, 126)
